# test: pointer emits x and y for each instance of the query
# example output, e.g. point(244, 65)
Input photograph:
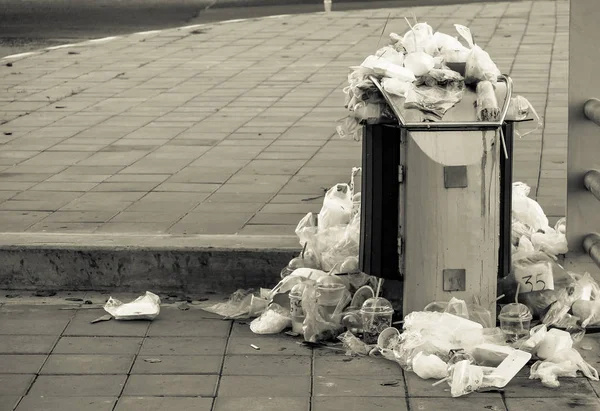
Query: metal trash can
point(436, 203)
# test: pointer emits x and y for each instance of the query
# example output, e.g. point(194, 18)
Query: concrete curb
point(191, 264)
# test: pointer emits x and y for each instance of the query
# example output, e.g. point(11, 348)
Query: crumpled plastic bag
point(391, 54)
point(337, 207)
point(587, 311)
point(419, 38)
point(396, 86)
point(465, 378)
point(479, 64)
point(238, 305)
point(419, 63)
point(273, 321)
point(584, 288)
point(433, 101)
point(345, 244)
point(564, 363)
point(550, 242)
point(429, 366)
point(353, 345)
point(146, 307)
point(318, 326)
point(527, 210)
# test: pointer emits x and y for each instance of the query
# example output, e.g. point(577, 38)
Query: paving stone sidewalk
point(53, 359)
point(229, 128)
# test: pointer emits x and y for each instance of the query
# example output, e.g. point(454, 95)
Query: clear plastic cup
point(376, 314)
point(515, 321)
point(330, 291)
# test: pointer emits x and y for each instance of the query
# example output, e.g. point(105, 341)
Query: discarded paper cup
point(376, 314)
point(515, 321)
point(296, 305)
point(388, 338)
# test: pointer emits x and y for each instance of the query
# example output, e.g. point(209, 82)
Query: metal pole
point(506, 176)
point(591, 110)
point(591, 180)
point(591, 244)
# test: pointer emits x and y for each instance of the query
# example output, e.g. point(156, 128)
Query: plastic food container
point(376, 314)
point(515, 321)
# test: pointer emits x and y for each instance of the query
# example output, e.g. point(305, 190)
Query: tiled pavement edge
point(53, 359)
point(229, 128)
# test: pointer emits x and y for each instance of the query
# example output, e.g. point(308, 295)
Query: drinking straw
point(378, 287)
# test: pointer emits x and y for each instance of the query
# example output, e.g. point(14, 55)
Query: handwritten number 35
point(533, 286)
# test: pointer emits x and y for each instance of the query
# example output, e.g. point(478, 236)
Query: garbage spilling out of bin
point(325, 299)
point(426, 74)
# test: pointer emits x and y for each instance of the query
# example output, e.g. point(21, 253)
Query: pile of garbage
point(323, 297)
point(428, 72)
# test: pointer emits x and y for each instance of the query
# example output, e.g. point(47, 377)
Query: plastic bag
point(346, 247)
point(337, 207)
point(527, 210)
point(146, 307)
point(273, 321)
point(554, 341)
point(419, 63)
point(236, 307)
point(434, 101)
point(446, 43)
point(391, 54)
point(550, 242)
point(395, 86)
point(350, 127)
point(419, 38)
point(460, 308)
point(587, 311)
point(564, 363)
point(318, 326)
point(353, 345)
point(384, 67)
point(519, 109)
point(520, 230)
point(582, 289)
point(465, 378)
point(429, 366)
point(479, 64)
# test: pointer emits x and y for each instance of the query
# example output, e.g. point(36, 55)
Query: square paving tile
point(526, 388)
point(274, 345)
point(171, 385)
point(554, 404)
point(183, 346)
point(78, 385)
point(337, 364)
point(178, 364)
point(462, 403)
point(181, 328)
point(8, 402)
point(262, 404)
point(98, 345)
point(265, 386)
point(87, 364)
point(81, 326)
point(163, 403)
point(353, 403)
point(21, 364)
point(358, 386)
point(26, 344)
point(267, 365)
point(15, 384)
point(39, 403)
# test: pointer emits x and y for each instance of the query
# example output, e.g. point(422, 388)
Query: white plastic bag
point(238, 305)
point(564, 363)
point(527, 210)
point(479, 64)
point(273, 321)
point(550, 242)
point(337, 207)
point(395, 86)
point(429, 366)
point(146, 307)
point(419, 63)
point(389, 53)
point(419, 38)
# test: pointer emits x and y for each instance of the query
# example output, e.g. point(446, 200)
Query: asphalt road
point(32, 24)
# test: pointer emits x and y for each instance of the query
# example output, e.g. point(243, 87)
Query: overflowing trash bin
point(437, 209)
